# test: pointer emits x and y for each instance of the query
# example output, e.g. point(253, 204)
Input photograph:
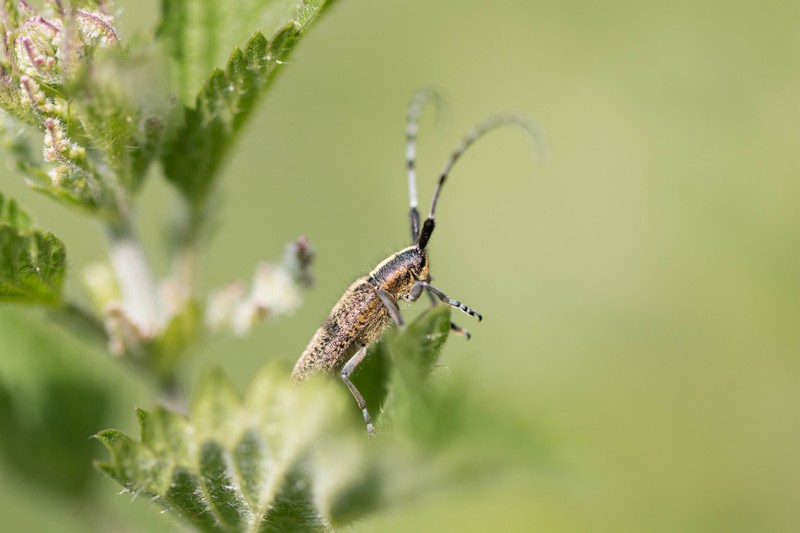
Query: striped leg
point(348, 369)
point(419, 286)
point(455, 328)
point(458, 330)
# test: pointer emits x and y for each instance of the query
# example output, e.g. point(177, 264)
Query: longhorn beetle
point(369, 305)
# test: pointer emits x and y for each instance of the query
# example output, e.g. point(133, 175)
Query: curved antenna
point(418, 100)
point(481, 129)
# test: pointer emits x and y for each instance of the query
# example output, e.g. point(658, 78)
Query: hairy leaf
point(403, 360)
point(292, 458)
point(235, 463)
point(32, 262)
point(417, 352)
point(199, 34)
point(13, 215)
point(122, 107)
point(193, 156)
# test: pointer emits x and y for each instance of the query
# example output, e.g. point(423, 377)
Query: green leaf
point(409, 357)
point(51, 399)
point(165, 432)
point(215, 406)
point(193, 156)
point(12, 214)
point(297, 458)
point(235, 463)
point(111, 123)
point(32, 262)
point(199, 34)
point(413, 355)
point(181, 332)
point(373, 376)
point(121, 106)
point(418, 349)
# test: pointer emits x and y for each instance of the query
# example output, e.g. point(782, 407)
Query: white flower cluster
point(274, 292)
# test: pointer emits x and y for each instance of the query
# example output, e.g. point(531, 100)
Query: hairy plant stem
point(139, 298)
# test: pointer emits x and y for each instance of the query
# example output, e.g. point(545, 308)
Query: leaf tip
point(110, 438)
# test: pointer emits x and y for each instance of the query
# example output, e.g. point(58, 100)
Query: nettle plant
point(84, 121)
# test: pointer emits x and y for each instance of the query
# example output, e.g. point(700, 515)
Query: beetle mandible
point(369, 305)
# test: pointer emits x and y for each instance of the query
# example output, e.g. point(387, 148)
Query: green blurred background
point(641, 287)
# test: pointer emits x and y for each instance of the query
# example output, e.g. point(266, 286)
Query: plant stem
point(130, 265)
point(188, 228)
point(81, 322)
point(184, 267)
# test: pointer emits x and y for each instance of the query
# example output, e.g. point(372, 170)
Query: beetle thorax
point(398, 273)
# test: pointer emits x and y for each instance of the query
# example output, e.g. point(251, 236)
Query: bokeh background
point(641, 287)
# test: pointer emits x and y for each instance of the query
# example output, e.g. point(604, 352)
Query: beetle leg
point(390, 306)
point(455, 328)
point(458, 330)
point(419, 286)
point(348, 369)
